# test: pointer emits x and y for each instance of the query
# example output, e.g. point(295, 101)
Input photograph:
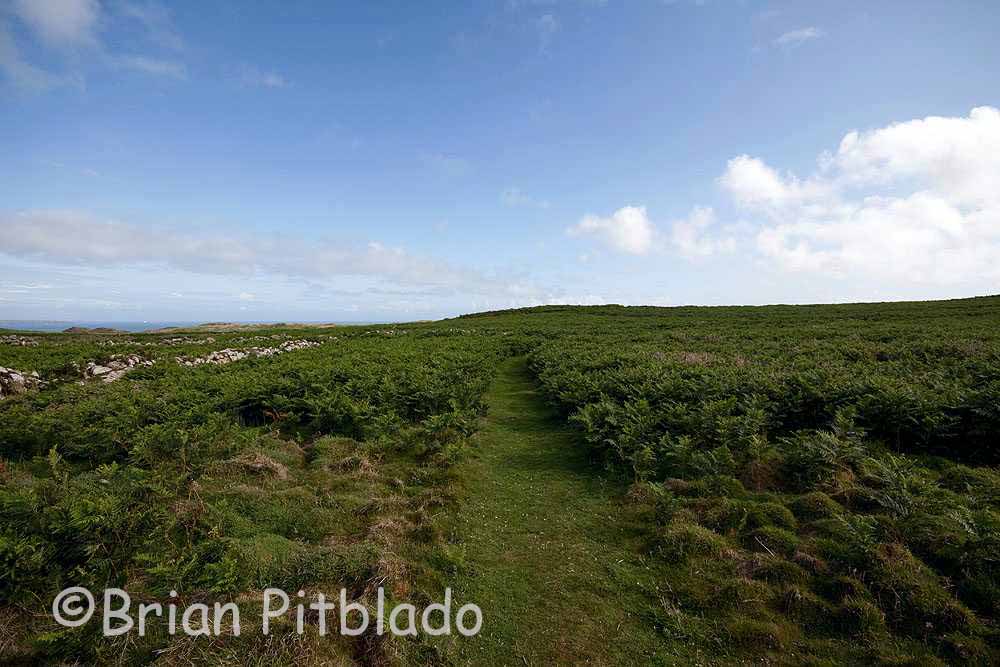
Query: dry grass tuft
point(695, 358)
point(258, 463)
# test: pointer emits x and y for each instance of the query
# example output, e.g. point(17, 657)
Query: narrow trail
point(548, 551)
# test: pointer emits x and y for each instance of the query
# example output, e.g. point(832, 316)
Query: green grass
point(547, 549)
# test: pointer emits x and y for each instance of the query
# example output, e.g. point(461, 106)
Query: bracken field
point(611, 485)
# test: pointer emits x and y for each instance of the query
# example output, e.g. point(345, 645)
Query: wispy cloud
point(445, 164)
point(794, 38)
point(70, 29)
point(152, 66)
point(515, 197)
point(99, 256)
point(22, 74)
point(248, 75)
point(86, 171)
point(547, 25)
point(77, 238)
point(61, 23)
point(157, 21)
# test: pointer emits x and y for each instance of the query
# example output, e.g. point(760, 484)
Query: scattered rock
point(21, 341)
point(229, 355)
point(14, 382)
point(260, 339)
point(117, 367)
point(111, 342)
point(181, 340)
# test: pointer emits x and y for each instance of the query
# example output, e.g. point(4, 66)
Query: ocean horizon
point(50, 326)
point(60, 325)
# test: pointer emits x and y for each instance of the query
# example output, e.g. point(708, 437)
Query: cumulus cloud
point(913, 202)
point(956, 158)
point(794, 38)
point(690, 236)
point(627, 230)
point(754, 184)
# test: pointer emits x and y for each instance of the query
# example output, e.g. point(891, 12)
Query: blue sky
point(382, 160)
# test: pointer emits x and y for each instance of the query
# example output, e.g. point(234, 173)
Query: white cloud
point(956, 158)
point(690, 238)
point(794, 38)
point(628, 230)
point(917, 239)
point(911, 203)
point(60, 23)
point(753, 184)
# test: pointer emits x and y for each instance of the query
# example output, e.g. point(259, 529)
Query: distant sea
point(54, 325)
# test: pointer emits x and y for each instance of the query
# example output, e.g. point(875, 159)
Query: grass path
point(548, 552)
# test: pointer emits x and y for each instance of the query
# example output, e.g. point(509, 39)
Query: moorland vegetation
point(811, 484)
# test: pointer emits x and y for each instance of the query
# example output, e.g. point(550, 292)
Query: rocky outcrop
point(186, 341)
point(228, 356)
point(218, 358)
point(115, 368)
point(14, 382)
point(260, 339)
point(112, 342)
point(20, 341)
